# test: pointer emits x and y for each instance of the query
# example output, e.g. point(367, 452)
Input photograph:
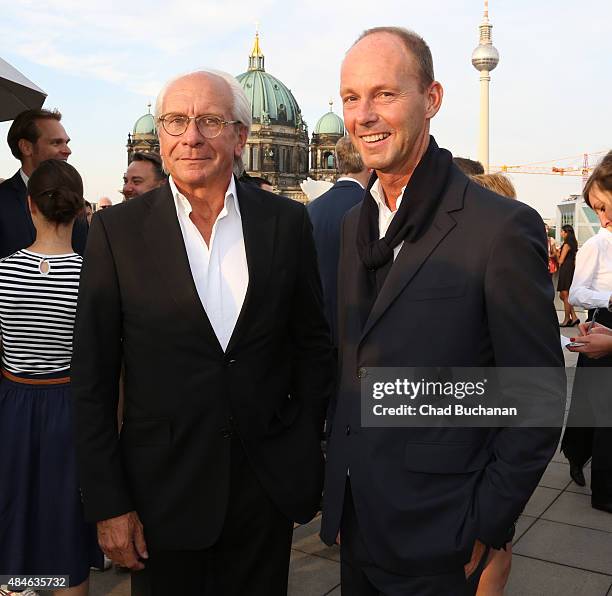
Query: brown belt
point(58, 381)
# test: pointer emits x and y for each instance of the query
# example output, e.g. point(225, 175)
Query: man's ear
point(435, 93)
point(242, 139)
point(25, 147)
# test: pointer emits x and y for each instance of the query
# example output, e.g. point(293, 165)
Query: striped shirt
point(38, 297)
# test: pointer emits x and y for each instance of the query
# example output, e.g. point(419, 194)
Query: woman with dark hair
point(592, 289)
point(42, 528)
point(567, 262)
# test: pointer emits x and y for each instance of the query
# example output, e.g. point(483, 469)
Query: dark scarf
point(420, 202)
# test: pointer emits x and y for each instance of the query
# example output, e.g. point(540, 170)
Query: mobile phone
point(574, 344)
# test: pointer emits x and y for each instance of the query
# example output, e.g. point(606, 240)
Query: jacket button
point(362, 372)
point(348, 430)
point(226, 433)
point(231, 362)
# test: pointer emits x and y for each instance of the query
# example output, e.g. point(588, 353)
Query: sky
point(102, 61)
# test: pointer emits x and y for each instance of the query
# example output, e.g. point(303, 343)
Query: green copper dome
point(271, 101)
point(145, 125)
point(330, 124)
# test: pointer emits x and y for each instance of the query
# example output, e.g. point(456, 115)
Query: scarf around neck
point(419, 204)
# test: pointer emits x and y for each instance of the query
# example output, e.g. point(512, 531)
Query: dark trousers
point(360, 576)
point(250, 557)
point(590, 402)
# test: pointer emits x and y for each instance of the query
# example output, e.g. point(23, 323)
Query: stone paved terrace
point(562, 547)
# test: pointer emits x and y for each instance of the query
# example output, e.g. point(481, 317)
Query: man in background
point(34, 136)
point(104, 202)
point(469, 167)
point(326, 213)
point(144, 173)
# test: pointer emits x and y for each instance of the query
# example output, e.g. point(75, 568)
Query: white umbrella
point(17, 93)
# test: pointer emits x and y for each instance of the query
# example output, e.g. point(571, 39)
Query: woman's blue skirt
point(42, 530)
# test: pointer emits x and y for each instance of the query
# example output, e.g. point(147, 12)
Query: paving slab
point(582, 548)
point(530, 577)
point(556, 475)
point(312, 576)
point(540, 500)
point(575, 509)
point(523, 524)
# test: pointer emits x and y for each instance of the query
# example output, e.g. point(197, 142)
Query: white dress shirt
point(592, 283)
point(385, 215)
point(219, 270)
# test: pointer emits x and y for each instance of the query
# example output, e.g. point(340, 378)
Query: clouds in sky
point(104, 60)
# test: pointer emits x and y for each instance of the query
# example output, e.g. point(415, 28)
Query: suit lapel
point(259, 230)
point(164, 239)
point(412, 256)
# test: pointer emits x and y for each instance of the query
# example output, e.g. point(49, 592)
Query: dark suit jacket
point(17, 230)
point(326, 213)
point(474, 290)
point(185, 399)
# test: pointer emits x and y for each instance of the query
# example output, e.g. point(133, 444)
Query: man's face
point(139, 178)
point(191, 159)
point(386, 110)
point(52, 143)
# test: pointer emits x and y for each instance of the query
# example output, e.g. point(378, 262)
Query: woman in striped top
point(42, 530)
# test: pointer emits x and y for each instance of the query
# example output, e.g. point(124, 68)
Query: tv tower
point(484, 59)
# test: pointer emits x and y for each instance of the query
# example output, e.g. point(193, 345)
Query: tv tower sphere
point(485, 57)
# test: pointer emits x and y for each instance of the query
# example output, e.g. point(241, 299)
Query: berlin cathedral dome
point(327, 131)
point(277, 147)
point(143, 138)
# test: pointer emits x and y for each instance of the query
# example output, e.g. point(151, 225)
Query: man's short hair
point(24, 127)
point(469, 167)
point(497, 183)
point(348, 160)
point(155, 160)
point(602, 176)
point(415, 45)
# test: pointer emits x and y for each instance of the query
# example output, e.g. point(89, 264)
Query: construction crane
point(540, 167)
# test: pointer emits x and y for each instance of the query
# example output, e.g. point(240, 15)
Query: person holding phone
point(592, 289)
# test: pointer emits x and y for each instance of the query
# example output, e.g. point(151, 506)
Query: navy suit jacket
point(452, 298)
point(326, 213)
point(17, 230)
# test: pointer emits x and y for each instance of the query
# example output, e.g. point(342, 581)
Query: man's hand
point(122, 540)
point(477, 553)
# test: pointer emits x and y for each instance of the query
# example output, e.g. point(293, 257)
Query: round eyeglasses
point(209, 126)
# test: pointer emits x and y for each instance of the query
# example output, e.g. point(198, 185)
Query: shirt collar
point(379, 196)
point(24, 177)
point(182, 204)
point(606, 234)
point(349, 179)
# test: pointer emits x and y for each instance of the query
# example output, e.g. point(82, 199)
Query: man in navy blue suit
point(326, 213)
point(34, 136)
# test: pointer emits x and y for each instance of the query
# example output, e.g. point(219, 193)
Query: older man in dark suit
point(326, 213)
point(208, 290)
point(433, 270)
point(34, 136)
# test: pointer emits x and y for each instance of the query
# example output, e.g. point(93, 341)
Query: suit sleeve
point(313, 360)
point(95, 371)
point(524, 332)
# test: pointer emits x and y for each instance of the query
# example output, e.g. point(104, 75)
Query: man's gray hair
point(241, 108)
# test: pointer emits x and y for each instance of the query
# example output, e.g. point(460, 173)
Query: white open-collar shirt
point(220, 271)
point(385, 215)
